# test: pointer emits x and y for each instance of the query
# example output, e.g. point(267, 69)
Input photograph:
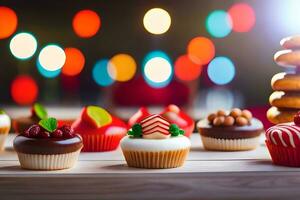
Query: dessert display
point(38, 112)
point(285, 100)
point(44, 146)
point(172, 113)
point(155, 143)
point(283, 142)
point(236, 130)
point(4, 128)
point(100, 130)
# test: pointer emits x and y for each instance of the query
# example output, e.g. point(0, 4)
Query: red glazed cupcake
point(283, 142)
point(100, 131)
point(172, 113)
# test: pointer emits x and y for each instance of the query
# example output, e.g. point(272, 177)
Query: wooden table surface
point(205, 175)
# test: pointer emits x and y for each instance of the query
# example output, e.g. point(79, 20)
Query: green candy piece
point(99, 116)
point(49, 124)
point(136, 130)
point(40, 111)
point(175, 130)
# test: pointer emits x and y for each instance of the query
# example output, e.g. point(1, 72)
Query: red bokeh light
point(186, 69)
point(201, 50)
point(8, 22)
point(86, 23)
point(243, 17)
point(74, 62)
point(24, 90)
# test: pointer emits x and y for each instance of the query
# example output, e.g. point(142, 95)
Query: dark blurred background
point(122, 31)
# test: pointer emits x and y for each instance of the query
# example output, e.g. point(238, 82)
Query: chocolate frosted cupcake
point(43, 146)
point(233, 131)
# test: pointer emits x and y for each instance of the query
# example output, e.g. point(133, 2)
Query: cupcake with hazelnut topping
point(236, 130)
point(4, 128)
point(44, 146)
point(155, 143)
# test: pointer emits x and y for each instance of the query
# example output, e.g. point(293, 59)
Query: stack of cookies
point(285, 100)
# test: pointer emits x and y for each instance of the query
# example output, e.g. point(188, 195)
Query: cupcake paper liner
point(48, 162)
point(96, 143)
point(156, 160)
point(286, 156)
point(215, 144)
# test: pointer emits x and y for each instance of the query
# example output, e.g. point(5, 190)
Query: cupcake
point(172, 113)
point(100, 131)
point(236, 130)
point(38, 112)
point(155, 143)
point(283, 142)
point(4, 128)
point(44, 146)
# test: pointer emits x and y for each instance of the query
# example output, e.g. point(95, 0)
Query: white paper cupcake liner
point(215, 144)
point(48, 162)
point(2, 140)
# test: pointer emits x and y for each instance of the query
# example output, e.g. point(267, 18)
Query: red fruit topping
point(33, 131)
point(68, 135)
point(57, 133)
point(66, 129)
point(44, 134)
point(297, 118)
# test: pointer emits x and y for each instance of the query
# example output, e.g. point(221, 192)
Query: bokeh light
point(157, 69)
point(23, 45)
point(157, 21)
point(100, 73)
point(201, 50)
point(221, 70)
point(86, 23)
point(219, 98)
point(24, 90)
point(186, 69)
point(46, 73)
point(242, 16)
point(8, 22)
point(219, 24)
point(122, 67)
point(52, 57)
point(74, 62)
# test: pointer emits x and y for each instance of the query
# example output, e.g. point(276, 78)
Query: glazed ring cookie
point(286, 82)
point(277, 115)
point(287, 58)
point(292, 42)
point(285, 99)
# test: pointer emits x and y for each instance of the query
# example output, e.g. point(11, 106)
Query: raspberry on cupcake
point(235, 130)
point(155, 143)
point(4, 127)
point(44, 146)
point(100, 130)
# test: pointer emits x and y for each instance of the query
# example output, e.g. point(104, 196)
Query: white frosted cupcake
point(155, 143)
point(4, 128)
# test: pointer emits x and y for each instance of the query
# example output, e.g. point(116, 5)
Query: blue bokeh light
point(218, 24)
point(47, 73)
point(221, 70)
point(161, 72)
point(100, 73)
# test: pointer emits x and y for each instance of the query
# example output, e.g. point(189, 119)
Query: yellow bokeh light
point(122, 67)
point(157, 21)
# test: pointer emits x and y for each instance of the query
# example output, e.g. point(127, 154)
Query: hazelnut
point(229, 121)
point(211, 117)
point(247, 114)
point(241, 121)
point(235, 112)
point(218, 121)
point(221, 113)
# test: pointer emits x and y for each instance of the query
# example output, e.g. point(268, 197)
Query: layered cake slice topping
point(155, 127)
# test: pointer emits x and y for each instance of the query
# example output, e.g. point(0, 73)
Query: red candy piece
point(142, 113)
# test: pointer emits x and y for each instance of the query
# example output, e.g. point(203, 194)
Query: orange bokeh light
point(8, 22)
point(86, 23)
point(201, 50)
point(74, 62)
point(243, 17)
point(186, 69)
point(24, 90)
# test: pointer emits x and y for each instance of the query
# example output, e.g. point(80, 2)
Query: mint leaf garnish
point(175, 130)
point(40, 111)
point(136, 130)
point(49, 124)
